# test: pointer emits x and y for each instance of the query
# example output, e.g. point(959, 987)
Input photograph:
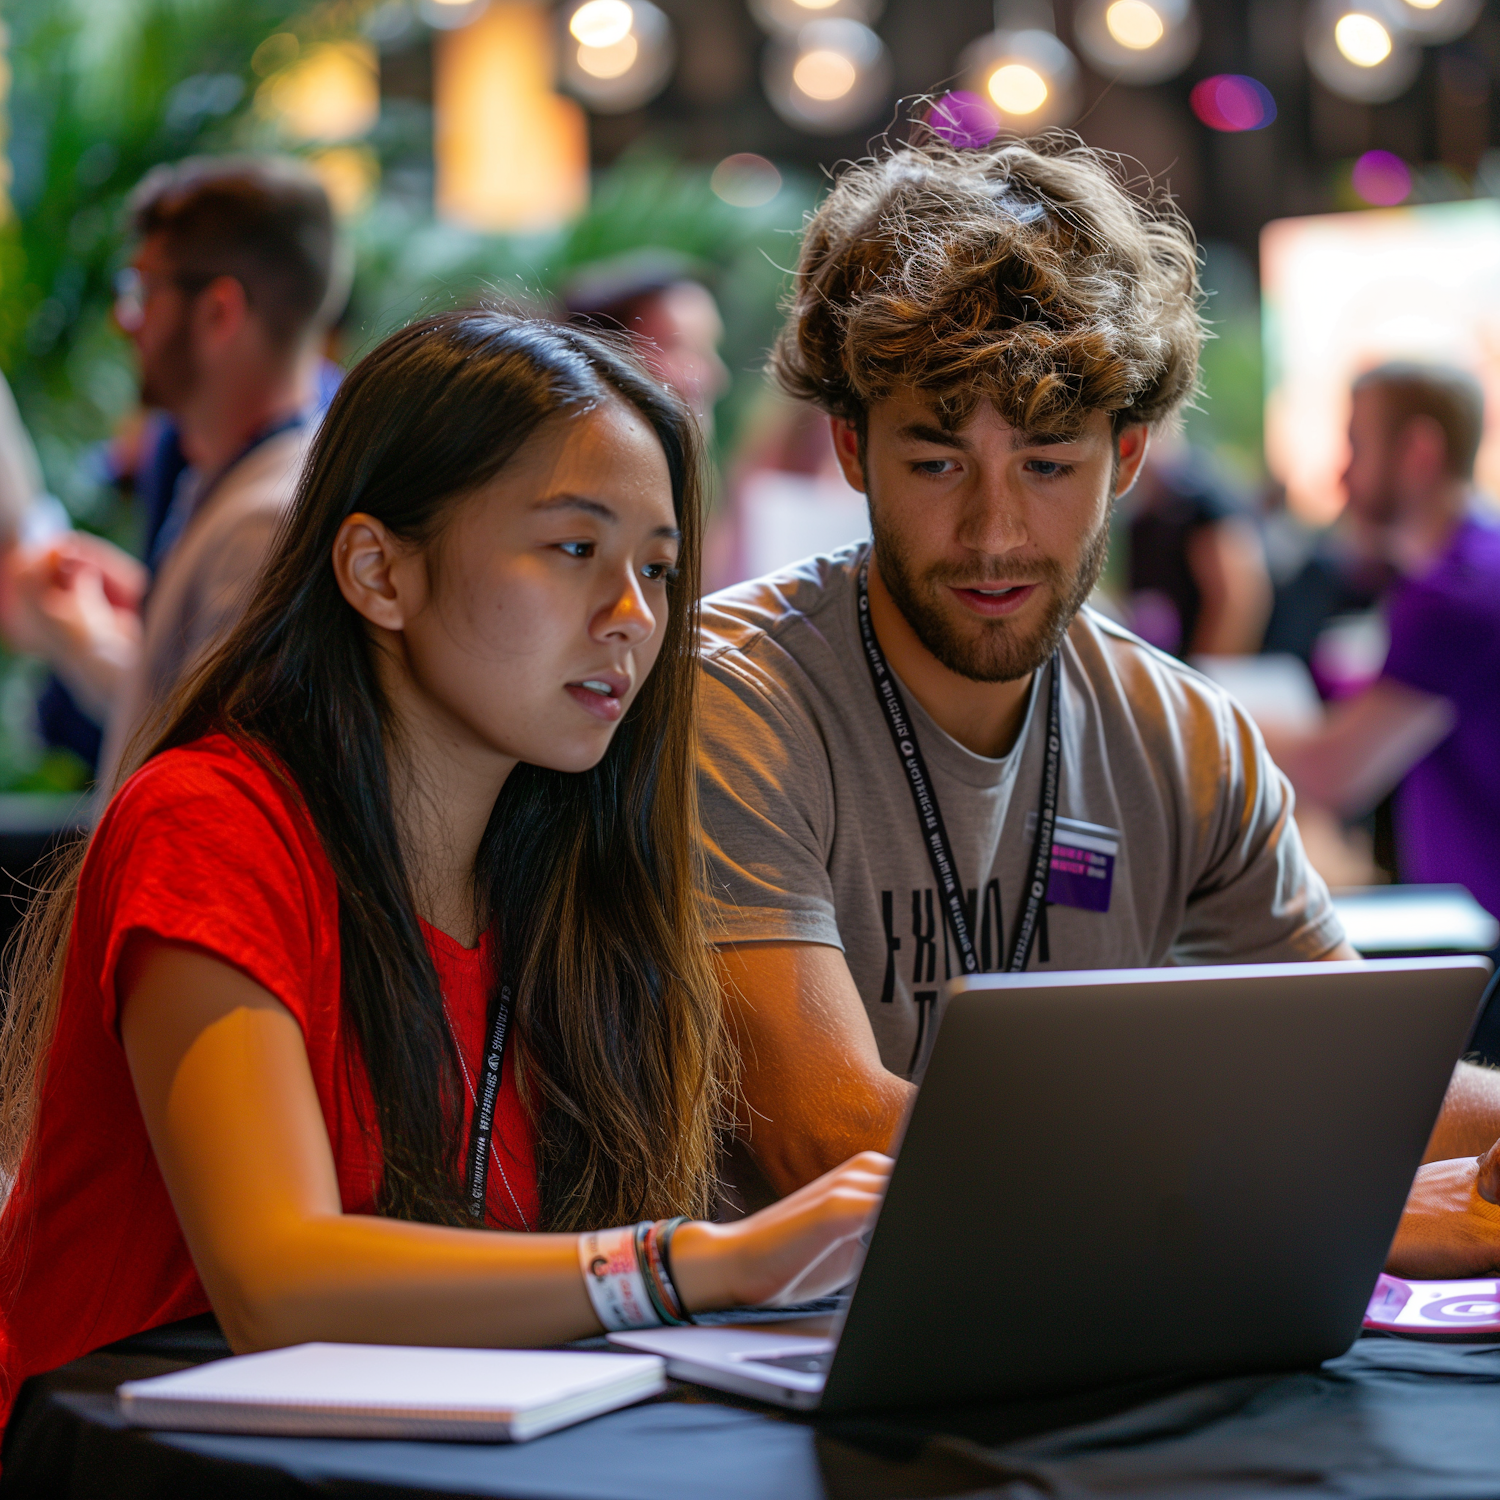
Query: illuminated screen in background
point(1343, 292)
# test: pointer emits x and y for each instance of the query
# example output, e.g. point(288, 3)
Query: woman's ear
point(367, 564)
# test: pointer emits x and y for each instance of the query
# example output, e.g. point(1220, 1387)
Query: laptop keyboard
point(807, 1364)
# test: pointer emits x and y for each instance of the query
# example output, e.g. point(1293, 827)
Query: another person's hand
point(75, 602)
point(805, 1246)
point(1451, 1226)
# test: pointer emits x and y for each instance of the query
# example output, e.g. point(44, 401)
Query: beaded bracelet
point(651, 1240)
point(628, 1275)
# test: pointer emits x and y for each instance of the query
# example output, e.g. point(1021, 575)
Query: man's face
point(162, 330)
point(1369, 478)
point(989, 539)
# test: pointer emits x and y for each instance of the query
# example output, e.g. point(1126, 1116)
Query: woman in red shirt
point(392, 941)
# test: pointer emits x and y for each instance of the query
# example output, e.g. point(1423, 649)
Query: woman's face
point(528, 625)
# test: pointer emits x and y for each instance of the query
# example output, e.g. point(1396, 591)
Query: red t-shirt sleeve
point(201, 847)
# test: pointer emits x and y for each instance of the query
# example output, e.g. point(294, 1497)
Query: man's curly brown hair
point(1024, 274)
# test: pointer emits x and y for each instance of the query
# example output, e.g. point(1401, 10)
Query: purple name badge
point(1083, 865)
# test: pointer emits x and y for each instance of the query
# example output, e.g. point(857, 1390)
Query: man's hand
point(1451, 1226)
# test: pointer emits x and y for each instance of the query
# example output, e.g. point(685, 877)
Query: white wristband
point(612, 1275)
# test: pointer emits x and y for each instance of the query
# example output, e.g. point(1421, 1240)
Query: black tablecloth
point(1390, 1419)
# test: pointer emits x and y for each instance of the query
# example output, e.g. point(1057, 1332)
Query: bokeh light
point(331, 92)
point(1018, 89)
point(745, 180)
point(1029, 77)
point(830, 76)
point(1137, 41)
point(1382, 178)
point(611, 61)
point(1362, 39)
point(616, 55)
point(1134, 24)
point(1232, 102)
point(785, 18)
point(602, 23)
point(964, 120)
point(1436, 21)
point(824, 74)
point(1363, 49)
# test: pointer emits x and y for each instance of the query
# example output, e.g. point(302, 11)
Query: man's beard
point(979, 649)
point(172, 375)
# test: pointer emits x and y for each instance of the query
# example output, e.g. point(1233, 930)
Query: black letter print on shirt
point(892, 943)
point(925, 936)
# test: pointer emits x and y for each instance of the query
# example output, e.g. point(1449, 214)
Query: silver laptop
point(1123, 1174)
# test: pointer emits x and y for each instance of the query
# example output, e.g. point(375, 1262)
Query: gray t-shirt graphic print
point(1175, 840)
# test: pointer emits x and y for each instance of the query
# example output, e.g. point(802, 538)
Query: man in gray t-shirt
point(1174, 838)
point(994, 334)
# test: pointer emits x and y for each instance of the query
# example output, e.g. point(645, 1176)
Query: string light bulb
point(1018, 89)
point(601, 23)
point(830, 76)
point(1360, 49)
point(1362, 39)
point(1434, 21)
point(1134, 24)
point(1137, 41)
point(1029, 77)
point(616, 54)
point(785, 18)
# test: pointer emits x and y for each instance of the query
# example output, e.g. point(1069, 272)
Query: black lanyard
point(484, 1104)
point(930, 815)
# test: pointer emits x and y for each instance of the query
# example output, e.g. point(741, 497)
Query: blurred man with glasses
point(226, 299)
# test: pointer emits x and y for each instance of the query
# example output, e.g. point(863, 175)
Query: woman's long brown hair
point(588, 881)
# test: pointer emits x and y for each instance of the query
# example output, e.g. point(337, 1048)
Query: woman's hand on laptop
point(1451, 1226)
point(805, 1246)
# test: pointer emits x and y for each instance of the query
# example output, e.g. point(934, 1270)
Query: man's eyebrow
point(601, 510)
point(946, 437)
point(930, 432)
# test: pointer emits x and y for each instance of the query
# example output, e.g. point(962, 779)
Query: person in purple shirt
point(1429, 726)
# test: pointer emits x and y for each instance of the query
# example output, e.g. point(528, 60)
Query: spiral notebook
point(381, 1391)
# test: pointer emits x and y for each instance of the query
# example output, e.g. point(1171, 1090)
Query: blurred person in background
point(786, 497)
point(25, 509)
point(655, 296)
point(1429, 725)
point(1197, 568)
point(226, 300)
